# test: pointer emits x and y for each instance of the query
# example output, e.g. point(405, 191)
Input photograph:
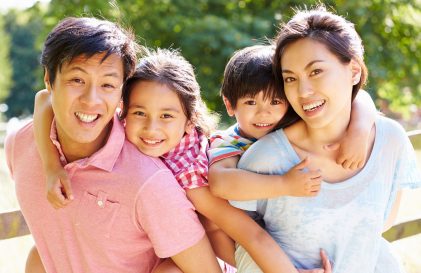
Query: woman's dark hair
point(73, 37)
point(168, 67)
point(336, 33)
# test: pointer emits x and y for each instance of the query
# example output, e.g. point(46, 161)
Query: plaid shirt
point(188, 161)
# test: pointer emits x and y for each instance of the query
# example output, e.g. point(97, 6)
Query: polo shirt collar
point(106, 157)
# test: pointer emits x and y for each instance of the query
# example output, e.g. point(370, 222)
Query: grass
point(13, 252)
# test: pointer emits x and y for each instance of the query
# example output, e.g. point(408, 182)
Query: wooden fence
point(12, 224)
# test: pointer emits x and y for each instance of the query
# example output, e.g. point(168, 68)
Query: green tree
point(5, 67)
point(23, 28)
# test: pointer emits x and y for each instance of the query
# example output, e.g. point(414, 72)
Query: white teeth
point(85, 117)
point(263, 124)
point(313, 105)
point(151, 141)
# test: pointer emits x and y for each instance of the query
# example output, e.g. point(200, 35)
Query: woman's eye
point(289, 79)
point(250, 102)
point(315, 72)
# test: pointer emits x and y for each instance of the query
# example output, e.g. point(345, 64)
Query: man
point(127, 208)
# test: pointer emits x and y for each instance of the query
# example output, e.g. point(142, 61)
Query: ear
point(189, 127)
point(47, 82)
point(228, 106)
point(356, 72)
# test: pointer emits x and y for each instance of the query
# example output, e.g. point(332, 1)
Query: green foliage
point(23, 28)
point(5, 67)
point(209, 31)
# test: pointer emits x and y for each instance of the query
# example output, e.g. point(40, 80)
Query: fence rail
point(12, 224)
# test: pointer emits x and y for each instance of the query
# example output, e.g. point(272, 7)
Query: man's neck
point(74, 151)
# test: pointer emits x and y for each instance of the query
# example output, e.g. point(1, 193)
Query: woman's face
point(317, 84)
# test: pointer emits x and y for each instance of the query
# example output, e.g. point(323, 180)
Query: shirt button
point(100, 203)
point(62, 158)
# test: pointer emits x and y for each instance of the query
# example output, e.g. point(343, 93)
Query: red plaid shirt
point(188, 161)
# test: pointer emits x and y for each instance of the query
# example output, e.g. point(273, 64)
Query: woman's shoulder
point(390, 129)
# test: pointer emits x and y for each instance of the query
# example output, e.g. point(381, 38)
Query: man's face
point(84, 96)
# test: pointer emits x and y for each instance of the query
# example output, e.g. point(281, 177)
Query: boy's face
point(256, 116)
point(84, 96)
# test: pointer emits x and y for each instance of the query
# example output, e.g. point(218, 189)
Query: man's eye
point(167, 116)
point(108, 86)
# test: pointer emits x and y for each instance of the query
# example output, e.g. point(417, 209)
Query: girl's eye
point(288, 79)
point(315, 72)
point(250, 102)
point(167, 116)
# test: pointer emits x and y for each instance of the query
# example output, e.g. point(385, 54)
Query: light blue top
point(346, 218)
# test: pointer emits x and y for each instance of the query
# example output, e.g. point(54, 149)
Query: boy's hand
point(301, 183)
point(352, 150)
point(327, 267)
point(59, 191)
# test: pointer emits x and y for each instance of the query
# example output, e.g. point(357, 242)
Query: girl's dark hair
point(248, 72)
point(73, 37)
point(168, 67)
point(336, 33)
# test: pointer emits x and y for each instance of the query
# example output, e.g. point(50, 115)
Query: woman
point(319, 60)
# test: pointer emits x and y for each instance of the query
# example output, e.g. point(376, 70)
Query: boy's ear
point(228, 106)
point(47, 82)
point(189, 127)
point(356, 72)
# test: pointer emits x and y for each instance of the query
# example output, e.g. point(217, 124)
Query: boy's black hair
point(248, 72)
point(73, 37)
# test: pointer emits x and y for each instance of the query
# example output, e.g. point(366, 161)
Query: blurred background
point(208, 32)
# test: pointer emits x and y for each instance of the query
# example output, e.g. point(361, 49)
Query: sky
point(18, 4)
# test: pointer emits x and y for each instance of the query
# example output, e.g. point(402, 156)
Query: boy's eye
point(276, 102)
point(77, 80)
point(250, 102)
point(315, 72)
point(167, 116)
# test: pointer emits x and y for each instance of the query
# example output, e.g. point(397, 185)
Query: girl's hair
point(248, 72)
point(335, 32)
point(168, 67)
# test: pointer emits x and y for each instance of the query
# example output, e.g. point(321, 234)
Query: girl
point(165, 117)
point(319, 62)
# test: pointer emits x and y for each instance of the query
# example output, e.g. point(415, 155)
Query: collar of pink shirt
point(104, 158)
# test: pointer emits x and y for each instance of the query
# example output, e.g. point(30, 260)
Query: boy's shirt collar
point(106, 157)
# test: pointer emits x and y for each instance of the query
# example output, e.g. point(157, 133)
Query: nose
point(90, 95)
point(305, 89)
point(264, 108)
point(151, 124)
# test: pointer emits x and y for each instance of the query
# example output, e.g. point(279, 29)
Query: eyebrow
point(169, 109)
point(78, 68)
point(306, 67)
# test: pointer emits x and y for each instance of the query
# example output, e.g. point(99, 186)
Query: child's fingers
point(302, 164)
point(325, 261)
point(67, 188)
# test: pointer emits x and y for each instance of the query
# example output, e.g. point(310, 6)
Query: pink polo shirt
point(128, 208)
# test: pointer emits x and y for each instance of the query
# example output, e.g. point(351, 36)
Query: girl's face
point(317, 84)
point(155, 120)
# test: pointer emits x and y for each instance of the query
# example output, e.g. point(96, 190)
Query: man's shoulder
point(20, 133)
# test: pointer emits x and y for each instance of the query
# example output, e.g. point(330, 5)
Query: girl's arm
point(59, 192)
point(244, 230)
point(228, 182)
point(353, 147)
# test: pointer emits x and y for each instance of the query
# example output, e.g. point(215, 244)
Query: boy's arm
point(353, 148)
point(56, 175)
point(228, 182)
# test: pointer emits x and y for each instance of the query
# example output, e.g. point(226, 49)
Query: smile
point(152, 141)
point(313, 106)
point(263, 125)
point(86, 118)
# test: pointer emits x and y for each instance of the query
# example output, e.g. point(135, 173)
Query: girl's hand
point(59, 190)
point(302, 183)
point(327, 267)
